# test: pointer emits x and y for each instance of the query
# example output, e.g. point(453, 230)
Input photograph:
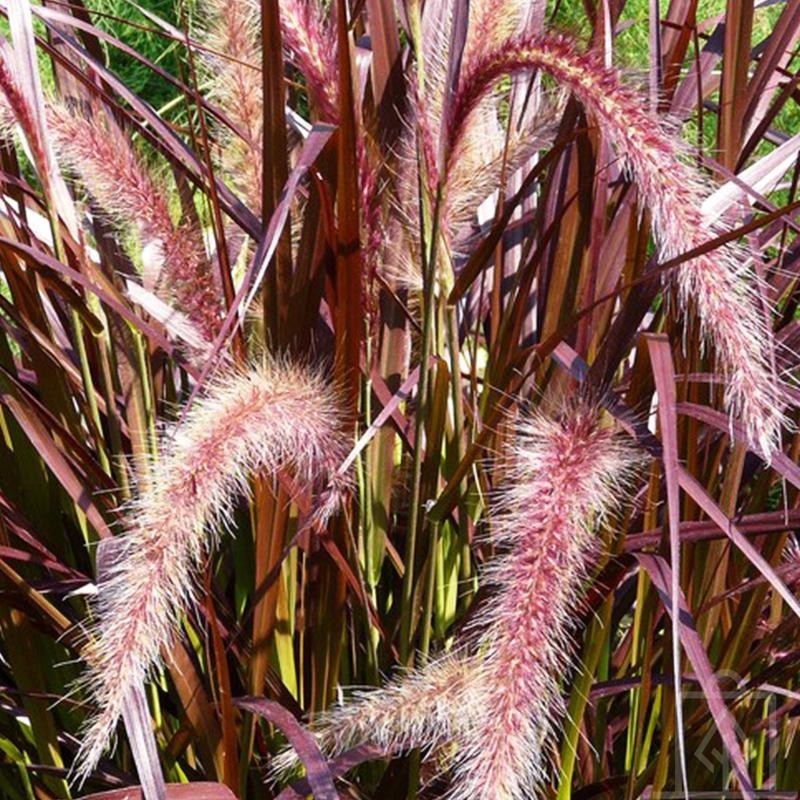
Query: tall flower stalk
point(270, 419)
point(491, 151)
point(496, 699)
point(716, 283)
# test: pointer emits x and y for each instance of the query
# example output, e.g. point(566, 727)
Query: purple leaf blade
point(660, 574)
point(319, 775)
point(664, 374)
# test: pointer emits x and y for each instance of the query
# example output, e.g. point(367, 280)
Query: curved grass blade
point(661, 575)
point(319, 776)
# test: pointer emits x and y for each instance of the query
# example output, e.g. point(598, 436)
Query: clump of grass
point(472, 218)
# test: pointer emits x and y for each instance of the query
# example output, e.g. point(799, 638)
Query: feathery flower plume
point(312, 44)
point(235, 82)
point(123, 187)
point(17, 110)
point(106, 164)
point(275, 417)
point(495, 155)
point(490, 151)
point(568, 474)
point(496, 699)
point(425, 708)
point(490, 21)
point(729, 310)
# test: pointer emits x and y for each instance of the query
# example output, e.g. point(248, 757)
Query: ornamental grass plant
point(398, 400)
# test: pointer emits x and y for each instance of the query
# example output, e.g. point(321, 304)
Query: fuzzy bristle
point(173, 257)
point(234, 77)
point(727, 304)
point(312, 45)
point(271, 418)
point(425, 707)
point(489, 153)
point(490, 22)
point(16, 109)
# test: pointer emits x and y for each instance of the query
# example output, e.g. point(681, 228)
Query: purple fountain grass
point(467, 185)
point(17, 110)
point(21, 104)
point(490, 153)
point(477, 177)
point(312, 45)
point(728, 307)
point(272, 418)
point(174, 257)
point(372, 224)
point(235, 81)
point(426, 708)
point(497, 697)
point(568, 473)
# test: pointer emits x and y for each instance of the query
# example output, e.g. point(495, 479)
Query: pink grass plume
point(312, 45)
point(421, 708)
point(497, 697)
point(101, 156)
point(17, 109)
point(727, 303)
point(234, 78)
point(125, 189)
point(272, 418)
point(568, 474)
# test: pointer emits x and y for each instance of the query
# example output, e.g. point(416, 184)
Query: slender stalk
point(596, 636)
point(415, 518)
point(465, 568)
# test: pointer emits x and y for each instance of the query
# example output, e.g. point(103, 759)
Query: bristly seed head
point(727, 303)
point(568, 474)
point(497, 697)
point(272, 418)
point(124, 188)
